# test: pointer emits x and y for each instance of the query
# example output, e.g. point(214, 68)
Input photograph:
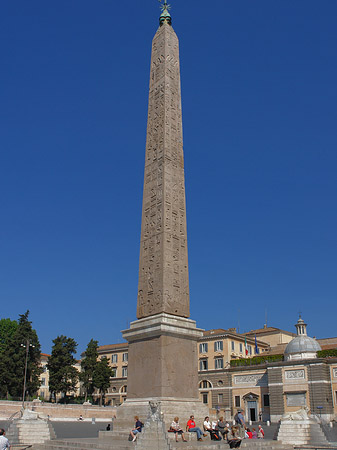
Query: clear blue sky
point(259, 116)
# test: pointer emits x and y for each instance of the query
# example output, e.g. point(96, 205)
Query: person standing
point(241, 423)
point(4, 443)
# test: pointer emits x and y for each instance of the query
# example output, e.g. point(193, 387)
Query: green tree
point(88, 367)
point(101, 377)
point(7, 330)
point(23, 344)
point(63, 376)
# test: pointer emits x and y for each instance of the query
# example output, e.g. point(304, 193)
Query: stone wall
point(57, 411)
point(320, 388)
point(275, 383)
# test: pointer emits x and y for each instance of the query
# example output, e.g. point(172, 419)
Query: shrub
point(255, 360)
point(327, 353)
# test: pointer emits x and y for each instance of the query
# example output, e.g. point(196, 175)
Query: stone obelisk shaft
point(163, 267)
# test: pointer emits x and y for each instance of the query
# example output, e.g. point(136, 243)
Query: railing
point(12, 417)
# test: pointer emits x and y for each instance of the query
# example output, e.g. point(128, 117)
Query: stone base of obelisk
point(163, 367)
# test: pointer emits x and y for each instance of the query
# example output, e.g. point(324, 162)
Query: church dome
point(302, 346)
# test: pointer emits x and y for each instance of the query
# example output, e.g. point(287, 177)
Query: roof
point(215, 332)
point(268, 330)
point(111, 347)
point(328, 341)
point(232, 332)
point(276, 350)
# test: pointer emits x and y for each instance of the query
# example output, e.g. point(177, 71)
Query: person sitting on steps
point(208, 427)
point(192, 428)
point(175, 427)
point(137, 429)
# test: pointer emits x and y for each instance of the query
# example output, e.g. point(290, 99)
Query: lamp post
point(27, 345)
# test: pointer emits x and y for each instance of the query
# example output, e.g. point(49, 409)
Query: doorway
point(252, 410)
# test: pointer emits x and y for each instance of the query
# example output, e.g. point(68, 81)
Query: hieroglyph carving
point(163, 265)
point(294, 374)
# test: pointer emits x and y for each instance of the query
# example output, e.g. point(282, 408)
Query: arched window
point(123, 389)
point(205, 384)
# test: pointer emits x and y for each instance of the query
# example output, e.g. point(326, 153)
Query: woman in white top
point(177, 429)
point(208, 427)
point(207, 424)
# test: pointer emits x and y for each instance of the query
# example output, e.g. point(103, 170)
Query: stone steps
point(301, 433)
point(23, 431)
point(122, 444)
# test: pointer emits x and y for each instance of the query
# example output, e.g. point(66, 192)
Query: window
point(249, 349)
point(219, 363)
point(124, 371)
point(205, 384)
point(203, 364)
point(205, 398)
point(266, 400)
point(43, 381)
point(237, 401)
point(233, 346)
point(241, 348)
point(123, 389)
point(203, 348)
point(125, 357)
point(114, 373)
point(114, 358)
point(220, 399)
point(44, 369)
point(218, 346)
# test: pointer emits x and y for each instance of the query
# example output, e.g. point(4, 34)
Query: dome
point(302, 346)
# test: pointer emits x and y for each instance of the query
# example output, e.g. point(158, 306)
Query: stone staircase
point(28, 432)
point(154, 439)
point(302, 434)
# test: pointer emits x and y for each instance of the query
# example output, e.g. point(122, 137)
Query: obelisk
point(163, 360)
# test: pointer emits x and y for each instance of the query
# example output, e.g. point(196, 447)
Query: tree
point(7, 330)
point(101, 377)
point(23, 343)
point(88, 367)
point(63, 376)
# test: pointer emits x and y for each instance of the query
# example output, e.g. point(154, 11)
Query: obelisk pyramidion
point(163, 361)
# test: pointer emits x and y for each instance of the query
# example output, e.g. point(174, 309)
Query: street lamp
point(27, 345)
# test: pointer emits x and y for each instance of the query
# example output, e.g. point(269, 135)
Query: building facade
point(263, 390)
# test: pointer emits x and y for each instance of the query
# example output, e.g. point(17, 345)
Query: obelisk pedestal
point(163, 364)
